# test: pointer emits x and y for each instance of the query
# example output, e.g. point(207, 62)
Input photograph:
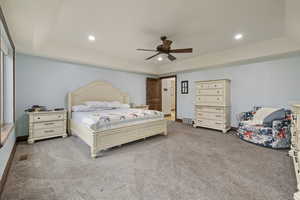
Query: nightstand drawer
point(47, 125)
point(48, 117)
point(48, 132)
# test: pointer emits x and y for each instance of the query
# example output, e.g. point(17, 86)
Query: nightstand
point(144, 107)
point(47, 124)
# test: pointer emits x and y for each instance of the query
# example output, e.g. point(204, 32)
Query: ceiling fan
point(165, 48)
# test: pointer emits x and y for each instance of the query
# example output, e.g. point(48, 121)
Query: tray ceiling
point(60, 28)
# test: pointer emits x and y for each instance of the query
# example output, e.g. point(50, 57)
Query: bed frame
point(102, 140)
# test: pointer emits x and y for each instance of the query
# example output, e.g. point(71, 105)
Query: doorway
point(161, 95)
point(168, 97)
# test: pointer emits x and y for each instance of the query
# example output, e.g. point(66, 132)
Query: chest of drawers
point(295, 146)
point(212, 109)
point(47, 124)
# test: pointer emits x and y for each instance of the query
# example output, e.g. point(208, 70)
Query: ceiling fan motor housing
point(165, 48)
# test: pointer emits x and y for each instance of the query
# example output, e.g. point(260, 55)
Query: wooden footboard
point(102, 140)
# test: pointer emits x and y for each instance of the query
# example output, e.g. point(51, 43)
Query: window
point(1, 92)
point(7, 82)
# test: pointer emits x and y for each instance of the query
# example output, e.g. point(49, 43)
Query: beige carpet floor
point(188, 164)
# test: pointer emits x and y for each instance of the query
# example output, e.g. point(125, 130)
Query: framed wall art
point(184, 87)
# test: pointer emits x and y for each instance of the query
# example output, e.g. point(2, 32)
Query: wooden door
point(153, 93)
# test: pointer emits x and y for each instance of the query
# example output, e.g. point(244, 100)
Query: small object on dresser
point(47, 124)
point(58, 109)
point(36, 108)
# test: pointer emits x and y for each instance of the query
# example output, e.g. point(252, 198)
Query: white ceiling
point(60, 28)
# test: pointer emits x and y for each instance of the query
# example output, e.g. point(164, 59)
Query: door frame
point(172, 76)
point(160, 98)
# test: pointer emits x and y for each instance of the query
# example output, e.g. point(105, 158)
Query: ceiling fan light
point(238, 36)
point(92, 38)
point(160, 58)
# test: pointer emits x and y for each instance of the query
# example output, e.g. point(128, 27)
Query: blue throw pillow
point(277, 115)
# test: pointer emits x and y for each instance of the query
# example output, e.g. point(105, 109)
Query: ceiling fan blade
point(172, 58)
point(188, 50)
point(146, 50)
point(152, 56)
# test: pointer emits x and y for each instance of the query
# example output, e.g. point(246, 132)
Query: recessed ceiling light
point(159, 58)
point(92, 38)
point(238, 36)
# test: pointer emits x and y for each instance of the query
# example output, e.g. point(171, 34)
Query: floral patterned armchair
point(277, 135)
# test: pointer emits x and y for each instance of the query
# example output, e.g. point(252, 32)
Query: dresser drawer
point(210, 124)
point(295, 140)
point(48, 117)
point(296, 109)
point(211, 85)
point(47, 125)
point(210, 92)
point(213, 116)
point(210, 100)
point(48, 132)
point(298, 123)
point(220, 110)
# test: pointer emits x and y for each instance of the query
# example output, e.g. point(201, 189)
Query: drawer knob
point(39, 118)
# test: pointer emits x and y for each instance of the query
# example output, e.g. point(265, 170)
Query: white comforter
point(114, 118)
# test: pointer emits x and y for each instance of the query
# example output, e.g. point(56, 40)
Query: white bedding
point(99, 120)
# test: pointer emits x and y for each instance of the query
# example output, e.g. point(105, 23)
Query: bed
point(104, 137)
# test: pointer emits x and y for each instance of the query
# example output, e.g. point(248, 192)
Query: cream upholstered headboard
point(96, 91)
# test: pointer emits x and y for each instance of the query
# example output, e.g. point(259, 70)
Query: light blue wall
point(47, 82)
point(274, 83)
point(41, 81)
point(5, 152)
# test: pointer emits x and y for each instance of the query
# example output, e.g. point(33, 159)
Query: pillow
point(124, 106)
point(261, 114)
point(277, 115)
point(96, 104)
point(114, 104)
point(81, 108)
